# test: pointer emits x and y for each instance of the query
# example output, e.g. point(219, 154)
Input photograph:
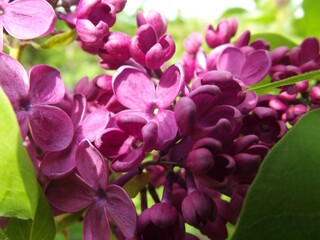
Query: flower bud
point(192, 43)
point(155, 19)
point(197, 208)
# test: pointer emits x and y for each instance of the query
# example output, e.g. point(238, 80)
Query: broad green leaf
point(274, 39)
point(288, 81)
point(42, 227)
point(59, 40)
point(3, 236)
point(18, 188)
point(283, 201)
point(308, 24)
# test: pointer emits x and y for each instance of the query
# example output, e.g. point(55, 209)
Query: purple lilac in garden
point(187, 130)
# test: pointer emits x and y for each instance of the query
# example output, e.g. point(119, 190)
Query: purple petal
point(169, 86)
point(69, 194)
point(85, 7)
point(129, 160)
point(232, 60)
point(150, 136)
point(51, 128)
point(147, 37)
point(90, 33)
point(121, 210)
point(1, 36)
point(46, 85)
point(256, 67)
point(93, 124)
point(167, 127)
point(168, 45)
point(111, 141)
point(249, 103)
point(136, 52)
point(78, 109)
point(185, 113)
point(13, 79)
point(27, 19)
point(155, 57)
point(309, 50)
point(205, 98)
point(133, 88)
point(163, 215)
point(58, 164)
point(92, 166)
point(96, 223)
point(131, 124)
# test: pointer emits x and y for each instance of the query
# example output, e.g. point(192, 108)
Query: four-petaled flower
point(26, 19)
point(89, 187)
point(31, 96)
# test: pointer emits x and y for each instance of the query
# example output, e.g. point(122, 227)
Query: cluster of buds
point(189, 126)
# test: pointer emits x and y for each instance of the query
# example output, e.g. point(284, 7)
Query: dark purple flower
point(149, 50)
point(127, 144)
point(199, 115)
point(306, 56)
point(264, 123)
point(31, 96)
point(161, 221)
point(197, 208)
point(89, 188)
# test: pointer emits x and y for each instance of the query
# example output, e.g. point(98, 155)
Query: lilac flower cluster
point(189, 125)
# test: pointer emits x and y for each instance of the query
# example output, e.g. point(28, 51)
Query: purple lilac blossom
point(89, 187)
point(85, 126)
point(32, 95)
point(135, 90)
point(26, 19)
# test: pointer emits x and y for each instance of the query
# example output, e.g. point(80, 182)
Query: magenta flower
point(60, 163)
point(226, 29)
point(155, 19)
point(127, 144)
point(136, 90)
point(94, 18)
point(26, 19)
point(149, 50)
point(249, 68)
point(31, 96)
point(89, 188)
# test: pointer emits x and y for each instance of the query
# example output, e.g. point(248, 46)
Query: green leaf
point(283, 201)
point(288, 81)
point(59, 40)
point(42, 227)
point(308, 24)
point(274, 39)
point(3, 236)
point(18, 188)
